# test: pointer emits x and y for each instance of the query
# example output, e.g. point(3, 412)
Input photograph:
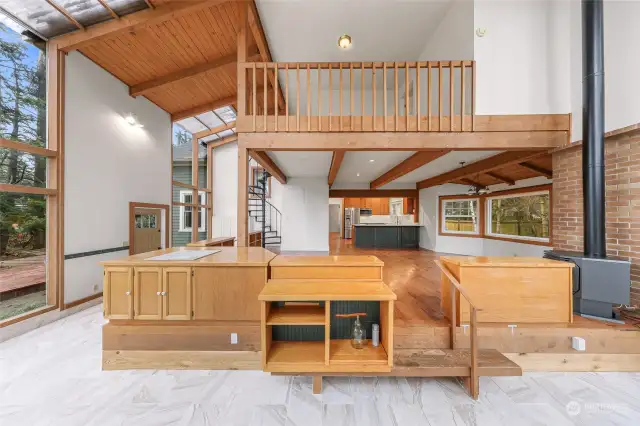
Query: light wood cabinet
point(176, 293)
point(378, 206)
point(117, 288)
point(147, 293)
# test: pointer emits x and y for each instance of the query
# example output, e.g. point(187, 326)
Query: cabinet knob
point(164, 293)
point(158, 293)
point(128, 293)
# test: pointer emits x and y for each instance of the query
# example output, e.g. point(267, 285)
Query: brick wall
point(622, 164)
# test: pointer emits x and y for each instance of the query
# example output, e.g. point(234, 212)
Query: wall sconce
point(132, 120)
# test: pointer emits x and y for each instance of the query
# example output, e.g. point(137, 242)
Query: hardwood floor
point(415, 279)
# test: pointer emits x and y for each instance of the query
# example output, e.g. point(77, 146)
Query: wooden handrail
point(456, 283)
point(416, 105)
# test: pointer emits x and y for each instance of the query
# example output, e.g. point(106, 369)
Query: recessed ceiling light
point(357, 174)
point(371, 161)
point(344, 41)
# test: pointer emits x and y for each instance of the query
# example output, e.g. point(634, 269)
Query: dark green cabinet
point(387, 237)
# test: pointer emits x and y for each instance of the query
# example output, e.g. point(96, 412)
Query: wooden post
point(317, 384)
point(474, 382)
point(454, 314)
point(243, 195)
point(210, 193)
point(195, 198)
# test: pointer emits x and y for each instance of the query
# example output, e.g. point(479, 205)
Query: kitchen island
point(386, 236)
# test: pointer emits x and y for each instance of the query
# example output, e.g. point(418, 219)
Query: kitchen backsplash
point(406, 219)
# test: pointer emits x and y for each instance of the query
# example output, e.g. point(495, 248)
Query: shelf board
point(342, 352)
point(295, 354)
point(296, 315)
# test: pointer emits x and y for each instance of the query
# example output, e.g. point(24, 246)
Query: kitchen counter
point(386, 236)
point(386, 224)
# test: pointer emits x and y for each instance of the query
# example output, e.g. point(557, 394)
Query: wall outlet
point(579, 344)
point(95, 288)
point(234, 338)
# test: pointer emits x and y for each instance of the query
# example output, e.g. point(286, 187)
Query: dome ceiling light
point(344, 41)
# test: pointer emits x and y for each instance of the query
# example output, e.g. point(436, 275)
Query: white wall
point(225, 190)
point(430, 240)
point(523, 61)
point(108, 163)
point(453, 38)
point(305, 209)
point(621, 63)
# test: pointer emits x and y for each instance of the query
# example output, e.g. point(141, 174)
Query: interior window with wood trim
point(460, 216)
point(27, 199)
point(186, 212)
point(525, 216)
point(257, 173)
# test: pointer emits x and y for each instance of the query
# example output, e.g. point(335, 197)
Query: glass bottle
point(358, 334)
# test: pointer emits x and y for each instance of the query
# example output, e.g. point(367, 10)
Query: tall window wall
point(26, 192)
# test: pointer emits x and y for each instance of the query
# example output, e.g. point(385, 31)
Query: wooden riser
point(523, 339)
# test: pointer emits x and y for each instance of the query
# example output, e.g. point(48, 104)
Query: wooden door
point(176, 293)
point(117, 288)
point(147, 230)
point(384, 206)
point(147, 292)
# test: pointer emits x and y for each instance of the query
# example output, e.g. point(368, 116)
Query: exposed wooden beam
point(223, 141)
point(372, 193)
point(66, 14)
point(472, 182)
point(111, 11)
point(263, 46)
point(412, 163)
point(147, 86)
point(167, 11)
point(481, 167)
point(218, 103)
point(501, 178)
point(402, 141)
point(540, 170)
point(269, 165)
point(223, 127)
point(336, 162)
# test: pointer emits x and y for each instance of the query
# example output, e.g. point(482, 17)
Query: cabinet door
point(147, 292)
point(117, 287)
point(176, 293)
point(384, 206)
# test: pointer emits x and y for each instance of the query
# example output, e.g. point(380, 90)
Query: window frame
point(485, 215)
point(518, 238)
point(443, 200)
point(182, 211)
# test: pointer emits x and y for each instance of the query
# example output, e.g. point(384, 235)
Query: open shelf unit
point(328, 355)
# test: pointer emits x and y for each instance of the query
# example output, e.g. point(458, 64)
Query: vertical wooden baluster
point(395, 92)
point(319, 101)
point(308, 98)
point(286, 95)
point(298, 97)
point(351, 127)
point(340, 96)
point(276, 107)
point(474, 382)
point(406, 95)
point(330, 95)
point(384, 94)
point(418, 95)
point(451, 96)
point(373, 93)
point(439, 96)
point(362, 97)
point(462, 66)
point(429, 94)
point(265, 97)
point(454, 313)
point(254, 95)
point(473, 96)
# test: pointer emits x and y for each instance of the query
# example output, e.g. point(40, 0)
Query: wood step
point(451, 362)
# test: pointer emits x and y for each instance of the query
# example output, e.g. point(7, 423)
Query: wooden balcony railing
point(433, 96)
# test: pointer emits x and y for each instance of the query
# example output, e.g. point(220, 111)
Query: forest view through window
point(523, 216)
point(23, 119)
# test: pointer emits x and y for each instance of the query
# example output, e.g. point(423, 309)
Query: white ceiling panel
point(444, 164)
point(359, 163)
point(384, 30)
point(192, 125)
point(303, 163)
point(210, 119)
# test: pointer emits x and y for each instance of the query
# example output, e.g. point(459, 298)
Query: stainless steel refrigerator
point(351, 217)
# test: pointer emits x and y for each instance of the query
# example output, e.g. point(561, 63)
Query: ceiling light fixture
point(344, 41)
point(371, 161)
point(358, 174)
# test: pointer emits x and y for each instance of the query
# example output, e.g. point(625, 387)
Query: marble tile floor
point(52, 376)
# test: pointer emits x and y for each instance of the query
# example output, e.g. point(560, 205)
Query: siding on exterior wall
point(622, 165)
point(182, 173)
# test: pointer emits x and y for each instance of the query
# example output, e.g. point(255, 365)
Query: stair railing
point(473, 385)
point(271, 216)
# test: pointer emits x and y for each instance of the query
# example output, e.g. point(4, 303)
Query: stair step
point(451, 362)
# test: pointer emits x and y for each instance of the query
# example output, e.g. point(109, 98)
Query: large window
point(186, 212)
point(460, 216)
point(28, 194)
point(519, 216)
